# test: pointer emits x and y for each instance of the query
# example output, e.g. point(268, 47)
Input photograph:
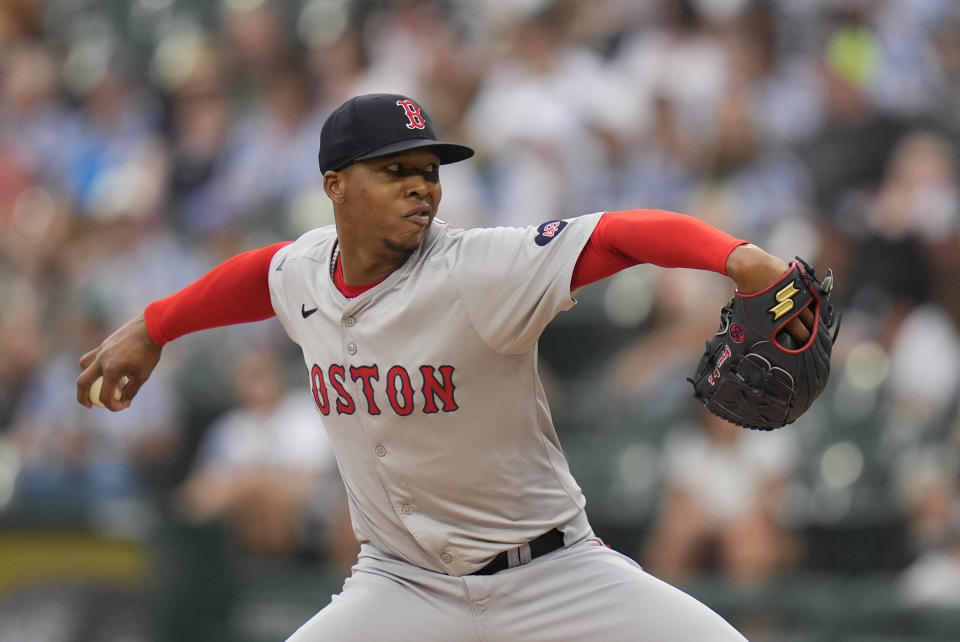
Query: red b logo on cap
point(412, 110)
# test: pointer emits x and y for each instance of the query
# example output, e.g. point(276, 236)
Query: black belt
point(546, 543)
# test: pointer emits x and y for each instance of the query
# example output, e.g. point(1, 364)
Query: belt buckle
point(523, 554)
point(519, 556)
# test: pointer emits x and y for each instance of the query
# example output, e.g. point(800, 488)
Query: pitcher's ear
point(334, 185)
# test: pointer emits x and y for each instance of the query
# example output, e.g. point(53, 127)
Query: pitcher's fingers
point(88, 358)
point(112, 381)
point(130, 390)
point(798, 331)
point(126, 395)
point(801, 327)
point(116, 406)
point(84, 381)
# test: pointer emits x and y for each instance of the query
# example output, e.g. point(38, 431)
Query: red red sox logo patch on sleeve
point(548, 231)
point(415, 119)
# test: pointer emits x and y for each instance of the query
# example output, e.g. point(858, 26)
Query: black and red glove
point(753, 373)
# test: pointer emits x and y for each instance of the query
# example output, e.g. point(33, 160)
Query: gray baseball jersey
point(429, 389)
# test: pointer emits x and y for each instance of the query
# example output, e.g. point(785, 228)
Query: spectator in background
point(272, 153)
point(529, 119)
point(116, 161)
point(255, 45)
point(267, 469)
point(37, 130)
point(338, 67)
point(775, 75)
point(915, 205)
point(200, 128)
point(850, 149)
point(899, 302)
point(683, 61)
point(23, 349)
point(931, 504)
point(946, 53)
point(720, 509)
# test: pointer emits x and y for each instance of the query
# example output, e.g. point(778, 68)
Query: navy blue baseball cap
point(379, 125)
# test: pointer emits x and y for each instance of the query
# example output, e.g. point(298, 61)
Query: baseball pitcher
point(420, 348)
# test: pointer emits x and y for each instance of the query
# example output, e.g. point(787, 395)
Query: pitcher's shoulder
point(315, 244)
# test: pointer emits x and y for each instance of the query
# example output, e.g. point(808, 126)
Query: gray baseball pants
point(585, 592)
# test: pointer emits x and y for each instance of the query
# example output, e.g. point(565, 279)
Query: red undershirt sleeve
point(236, 291)
point(630, 237)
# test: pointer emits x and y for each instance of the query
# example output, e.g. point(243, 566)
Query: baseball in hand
point(98, 383)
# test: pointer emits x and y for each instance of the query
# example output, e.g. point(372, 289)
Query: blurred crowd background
point(144, 141)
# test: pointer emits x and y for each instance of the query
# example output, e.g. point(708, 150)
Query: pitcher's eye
point(393, 167)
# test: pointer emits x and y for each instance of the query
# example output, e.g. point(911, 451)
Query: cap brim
point(448, 152)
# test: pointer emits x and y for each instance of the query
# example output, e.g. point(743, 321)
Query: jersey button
point(380, 450)
point(352, 348)
point(350, 322)
point(446, 558)
point(406, 509)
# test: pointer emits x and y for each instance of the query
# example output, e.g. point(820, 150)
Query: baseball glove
point(752, 373)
